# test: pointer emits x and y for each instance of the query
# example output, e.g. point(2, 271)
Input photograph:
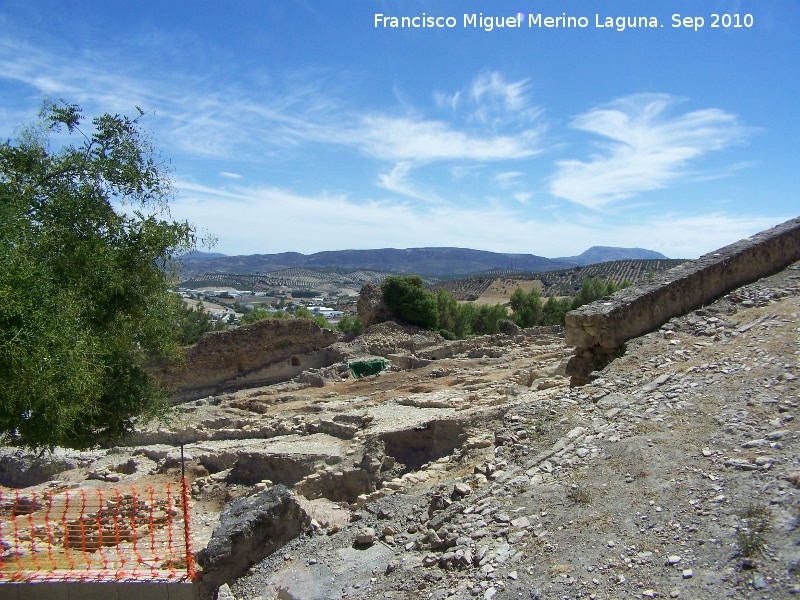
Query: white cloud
point(198, 118)
point(492, 101)
point(447, 101)
point(647, 149)
point(461, 171)
point(507, 179)
point(398, 181)
point(498, 101)
point(681, 235)
point(405, 138)
point(522, 197)
point(260, 220)
point(492, 121)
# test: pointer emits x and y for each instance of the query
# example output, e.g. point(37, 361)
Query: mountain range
point(438, 263)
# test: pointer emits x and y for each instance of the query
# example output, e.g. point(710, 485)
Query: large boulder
point(250, 529)
point(372, 308)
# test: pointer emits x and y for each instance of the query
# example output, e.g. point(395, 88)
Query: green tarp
point(366, 367)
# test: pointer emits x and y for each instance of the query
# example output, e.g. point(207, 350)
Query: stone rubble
point(637, 485)
point(480, 474)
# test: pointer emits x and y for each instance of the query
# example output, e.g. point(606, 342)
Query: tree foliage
point(408, 300)
point(260, 313)
point(303, 313)
point(462, 320)
point(594, 289)
point(527, 307)
point(448, 311)
point(487, 319)
point(194, 322)
point(349, 325)
point(554, 310)
point(84, 302)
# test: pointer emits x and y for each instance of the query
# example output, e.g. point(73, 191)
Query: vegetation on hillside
point(345, 324)
point(409, 301)
point(304, 282)
point(565, 282)
point(350, 325)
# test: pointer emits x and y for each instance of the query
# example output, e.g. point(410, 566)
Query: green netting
point(366, 367)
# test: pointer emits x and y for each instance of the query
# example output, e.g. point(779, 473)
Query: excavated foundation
point(415, 447)
point(252, 468)
point(339, 486)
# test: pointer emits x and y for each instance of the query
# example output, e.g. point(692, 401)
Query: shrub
point(194, 322)
point(554, 310)
point(408, 300)
point(752, 530)
point(594, 289)
point(260, 313)
point(487, 319)
point(527, 308)
point(349, 325)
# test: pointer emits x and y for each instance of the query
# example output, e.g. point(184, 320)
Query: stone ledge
point(599, 330)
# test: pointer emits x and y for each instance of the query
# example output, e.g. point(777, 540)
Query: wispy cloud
point(507, 179)
point(647, 148)
point(493, 226)
point(499, 102)
point(201, 119)
point(522, 197)
point(397, 181)
point(197, 116)
point(463, 141)
point(421, 141)
point(491, 100)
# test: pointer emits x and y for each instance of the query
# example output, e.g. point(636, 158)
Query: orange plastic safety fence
point(96, 535)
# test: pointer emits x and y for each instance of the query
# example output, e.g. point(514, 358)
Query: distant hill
point(294, 278)
point(197, 255)
point(564, 282)
point(430, 263)
point(601, 254)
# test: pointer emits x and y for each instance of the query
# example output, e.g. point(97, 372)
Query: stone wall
point(599, 330)
point(258, 354)
point(371, 307)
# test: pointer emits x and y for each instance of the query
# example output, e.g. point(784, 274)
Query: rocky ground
point(473, 470)
point(672, 475)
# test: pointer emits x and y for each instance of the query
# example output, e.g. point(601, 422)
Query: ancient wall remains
point(599, 330)
point(258, 354)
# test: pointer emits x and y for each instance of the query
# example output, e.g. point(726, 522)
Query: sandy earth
point(501, 289)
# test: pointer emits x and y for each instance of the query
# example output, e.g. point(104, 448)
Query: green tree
point(303, 313)
point(260, 313)
point(84, 301)
point(194, 322)
point(348, 324)
point(527, 307)
point(448, 310)
point(465, 317)
point(487, 319)
point(408, 300)
point(594, 289)
point(554, 310)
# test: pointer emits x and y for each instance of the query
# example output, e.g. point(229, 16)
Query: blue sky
point(301, 126)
